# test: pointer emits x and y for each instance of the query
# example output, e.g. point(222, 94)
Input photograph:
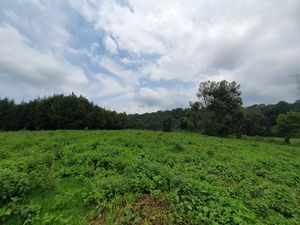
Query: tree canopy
point(221, 105)
point(58, 112)
point(288, 125)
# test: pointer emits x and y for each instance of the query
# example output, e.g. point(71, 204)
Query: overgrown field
point(144, 177)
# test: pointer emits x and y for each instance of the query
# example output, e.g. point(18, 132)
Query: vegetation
point(221, 107)
point(144, 177)
point(155, 120)
point(167, 124)
point(218, 112)
point(288, 125)
point(58, 112)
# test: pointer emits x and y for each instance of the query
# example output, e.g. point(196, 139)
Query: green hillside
point(144, 177)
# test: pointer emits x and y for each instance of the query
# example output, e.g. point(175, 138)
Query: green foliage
point(288, 124)
point(221, 105)
point(252, 121)
point(7, 111)
point(76, 112)
point(256, 123)
point(156, 120)
point(59, 112)
point(143, 177)
point(20, 177)
point(259, 119)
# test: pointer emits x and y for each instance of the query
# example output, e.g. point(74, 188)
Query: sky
point(142, 56)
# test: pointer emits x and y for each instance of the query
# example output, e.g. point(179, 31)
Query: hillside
point(145, 177)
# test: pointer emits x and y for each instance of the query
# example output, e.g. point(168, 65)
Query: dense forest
point(258, 119)
point(218, 112)
point(59, 112)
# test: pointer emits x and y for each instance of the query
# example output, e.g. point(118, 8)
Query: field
point(144, 177)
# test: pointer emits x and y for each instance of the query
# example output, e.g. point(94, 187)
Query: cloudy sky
point(141, 55)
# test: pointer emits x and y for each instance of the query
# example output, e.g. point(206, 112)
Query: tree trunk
point(287, 140)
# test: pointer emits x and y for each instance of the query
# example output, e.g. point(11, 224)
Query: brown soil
point(149, 209)
point(144, 207)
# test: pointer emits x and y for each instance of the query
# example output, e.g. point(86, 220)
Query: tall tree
point(221, 103)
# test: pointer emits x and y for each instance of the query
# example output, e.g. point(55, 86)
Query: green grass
point(144, 177)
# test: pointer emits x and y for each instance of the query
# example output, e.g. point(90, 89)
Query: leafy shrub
point(17, 179)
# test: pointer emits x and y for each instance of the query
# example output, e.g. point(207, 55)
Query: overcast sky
point(141, 55)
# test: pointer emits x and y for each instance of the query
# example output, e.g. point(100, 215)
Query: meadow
point(146, 177)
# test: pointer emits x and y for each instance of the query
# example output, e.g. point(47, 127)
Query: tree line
point(218, 112)
point(58, 112)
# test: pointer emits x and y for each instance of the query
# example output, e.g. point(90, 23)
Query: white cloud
point(110, 45)
point(86, 8)
point(256, 43)
point(253, 42)
point(129, 78)
point(43, 22)
point(128, 29)
point(21, 62)
point(104, 86)
point(153, 99)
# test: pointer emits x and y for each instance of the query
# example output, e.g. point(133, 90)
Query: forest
point(213, 114)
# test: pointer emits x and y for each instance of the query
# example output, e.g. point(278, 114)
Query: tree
point(167, 124)
point(196, 116)
point(186, 123)
point(256, 123)
point(221, 104)
point(7, 111)
point(275, 110)
point(288, 125)
point(296, 106)
point(59, 112)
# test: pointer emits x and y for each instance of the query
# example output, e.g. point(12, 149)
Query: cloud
point(86, 8)
point(153, 99)
point(110, 44)
point(107, 49)
point(150, 97)
point(129, 78)
point(253, 42)
point(21, 62)
point(127, 28)
point(104, 86)
point(43, 22)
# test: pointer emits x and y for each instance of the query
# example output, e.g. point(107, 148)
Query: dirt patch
point(144, 210)
point(149, 209)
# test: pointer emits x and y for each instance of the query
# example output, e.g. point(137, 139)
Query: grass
point(278, 140)
point(145, 177)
